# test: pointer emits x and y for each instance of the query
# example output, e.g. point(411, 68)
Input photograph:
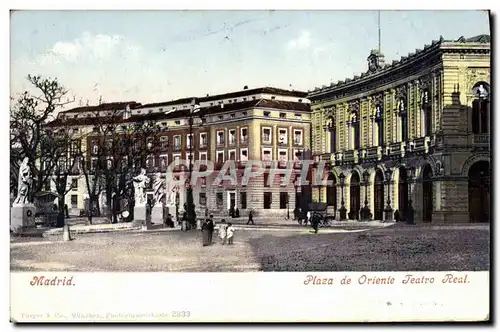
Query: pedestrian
point(230, 233)
point(223, 231)
point(211, 227)
point(315, 223)
point(308, 218)
point(237, 213)
point(66, 210)
point(250, 218)
point(205, 233)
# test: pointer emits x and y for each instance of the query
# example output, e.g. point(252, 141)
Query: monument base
point(22, 218)
point(140, 215)
point(157, 216)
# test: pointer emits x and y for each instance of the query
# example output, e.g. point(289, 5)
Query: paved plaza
point(393, 248)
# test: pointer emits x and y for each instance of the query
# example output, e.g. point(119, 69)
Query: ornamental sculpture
point(24, 184)
point(140, 182)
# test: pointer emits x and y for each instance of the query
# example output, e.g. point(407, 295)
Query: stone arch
point(432, 162)
point(471, 161)
point(348, 174)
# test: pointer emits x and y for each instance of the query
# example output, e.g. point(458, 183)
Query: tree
point(119, 147)
point(28, 115)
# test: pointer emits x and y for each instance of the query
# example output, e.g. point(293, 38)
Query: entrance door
point(231, 199)
point(355, 196)
point(379, 196)
point(427, 194)
point(403, 193)
point(479, 192)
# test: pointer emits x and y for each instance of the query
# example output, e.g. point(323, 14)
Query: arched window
point(426, 113)
point(403, 119)
point(378, 126)
point(355, 131)
point(332, 128)
point(480, 108)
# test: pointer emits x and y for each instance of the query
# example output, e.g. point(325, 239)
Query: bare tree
point(28, 115)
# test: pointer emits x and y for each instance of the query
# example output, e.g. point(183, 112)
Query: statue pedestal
point(157, 216)
point(22, 218)
point(140, 216)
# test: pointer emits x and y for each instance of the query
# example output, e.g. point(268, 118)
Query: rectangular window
point(244, 135)
point(203, 199)
point(298, 116)
point(267, 154)
point(163, 162)
point(176, 156)
point(74, 201)
point(177, 142)
point(283, 200)
point(220, 200)
point(333, 140)
point(404, 129)
point(203, 140)
point(232, 154)
point(188, 156)
point(74, 184)
point(297, 137)
point(189, 141)
point(220, 137)
point(266, 135)
point(268, 199)
point(232, 136)
point(244, 154)
point(282, 155)
point(243, 200)
point(220, 157)
point(164, 142)
point(282, 136)
point(297, 155)
point(203, 156)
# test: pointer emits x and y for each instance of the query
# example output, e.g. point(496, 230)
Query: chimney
point(245, 87)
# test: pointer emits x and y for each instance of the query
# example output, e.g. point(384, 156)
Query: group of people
point(226, 232)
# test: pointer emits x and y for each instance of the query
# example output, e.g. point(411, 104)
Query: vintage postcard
point(290, 166)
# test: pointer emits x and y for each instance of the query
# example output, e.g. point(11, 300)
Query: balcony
point(267, 163)
point(243, 140)
point(327, 157)
point(351, 156)
point(177, 147)
point(481, 140)
point(373, 153)
point(220, 143)
point(203, 145)
point(297, 164)
point(421, 144)
point(396, 149)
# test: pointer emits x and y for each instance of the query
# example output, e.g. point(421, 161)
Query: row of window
point(267, 200)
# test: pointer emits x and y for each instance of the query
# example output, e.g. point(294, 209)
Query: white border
point(190, 4)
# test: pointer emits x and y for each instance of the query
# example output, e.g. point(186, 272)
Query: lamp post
point(288, 206)
point(388, 209)
point(366, 210)
point(189, 191)
point(411, 213)
point(342, 210)
point(296, 188)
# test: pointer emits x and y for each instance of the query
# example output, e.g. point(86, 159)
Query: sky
point(154, 56)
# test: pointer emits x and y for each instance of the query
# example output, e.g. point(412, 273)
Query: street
point(398, 248)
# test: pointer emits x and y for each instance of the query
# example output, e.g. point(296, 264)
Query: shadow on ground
point(389, 249)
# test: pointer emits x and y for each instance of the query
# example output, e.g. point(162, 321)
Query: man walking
point(250, 218)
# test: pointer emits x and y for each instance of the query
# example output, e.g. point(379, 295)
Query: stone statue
point(24, 184)
point(482, 92)
point(173, 195)
point(158, 187)
point(378, 111)
point(401, 105)
point(140, 182)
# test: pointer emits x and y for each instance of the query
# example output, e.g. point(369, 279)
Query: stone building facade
point(417, 130)
point(264, 124)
